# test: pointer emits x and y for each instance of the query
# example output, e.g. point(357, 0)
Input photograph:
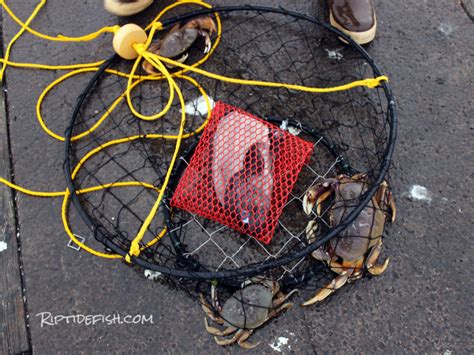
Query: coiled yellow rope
point(133, 80)
point(92, 67)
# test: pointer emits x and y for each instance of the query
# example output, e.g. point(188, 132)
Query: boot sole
point(359, 37)
point(126, 9)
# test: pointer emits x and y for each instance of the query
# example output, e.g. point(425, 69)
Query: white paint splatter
point(294, 131)
point(3, 246)
point(198, 106)
point(277, 346)
point(291, 129)
point(419, 193)
point(446, 28)
point(152, 275)
point(335, 54)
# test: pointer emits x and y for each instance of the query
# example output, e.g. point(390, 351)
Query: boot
point(356, 18)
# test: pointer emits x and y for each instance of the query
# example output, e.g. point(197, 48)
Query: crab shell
point(248, 308)
point(367, 229)
point(256, 303)
point(363, 232)
point(358, 246)
point(179, 39)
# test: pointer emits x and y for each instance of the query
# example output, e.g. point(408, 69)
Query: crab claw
point(316, 196)
point(309, 200)
point(205, 23)
point(379, 269)
point(206, 27)
point(207, 40)
point(182, 59)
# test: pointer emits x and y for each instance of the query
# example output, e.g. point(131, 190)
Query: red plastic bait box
point(241, 173)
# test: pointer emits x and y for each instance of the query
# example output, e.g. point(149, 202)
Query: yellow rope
point(66, 195)
point(58, 38)
point(91, 67)
point(51, 67)
point(67, 228)
point(135, 247)
point(370, 82)
point(31, 192)
point(23, 28)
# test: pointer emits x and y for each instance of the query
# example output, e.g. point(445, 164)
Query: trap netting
point(346, 131)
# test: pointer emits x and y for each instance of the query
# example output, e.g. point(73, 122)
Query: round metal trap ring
point(188, 268)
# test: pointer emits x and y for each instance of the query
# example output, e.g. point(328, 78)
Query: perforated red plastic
point(241, 172)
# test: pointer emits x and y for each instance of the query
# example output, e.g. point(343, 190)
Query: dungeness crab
point(176, 43)
point(358, 245)
point(257, 302)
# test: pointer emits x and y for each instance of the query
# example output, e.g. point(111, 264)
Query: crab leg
point(215, 331)
point(181, 59)
point(215, 299)
point(337, 267)
point(147, 67)
point(281, 298)
point(209, 311)
point(224, 342)
point(373, 256)
point(283, 307)
point(320, 200)
point(324, 292)
point(385, 195)
point(376, 269)
point(311, 229)
point(243, 343)
point(354, 268)
point(320, 253)
point(279, 309)
point(391, 203)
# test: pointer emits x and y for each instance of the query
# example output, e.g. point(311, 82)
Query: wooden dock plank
point(13, 330)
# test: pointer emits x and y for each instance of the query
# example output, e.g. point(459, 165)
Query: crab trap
point(248, 163)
